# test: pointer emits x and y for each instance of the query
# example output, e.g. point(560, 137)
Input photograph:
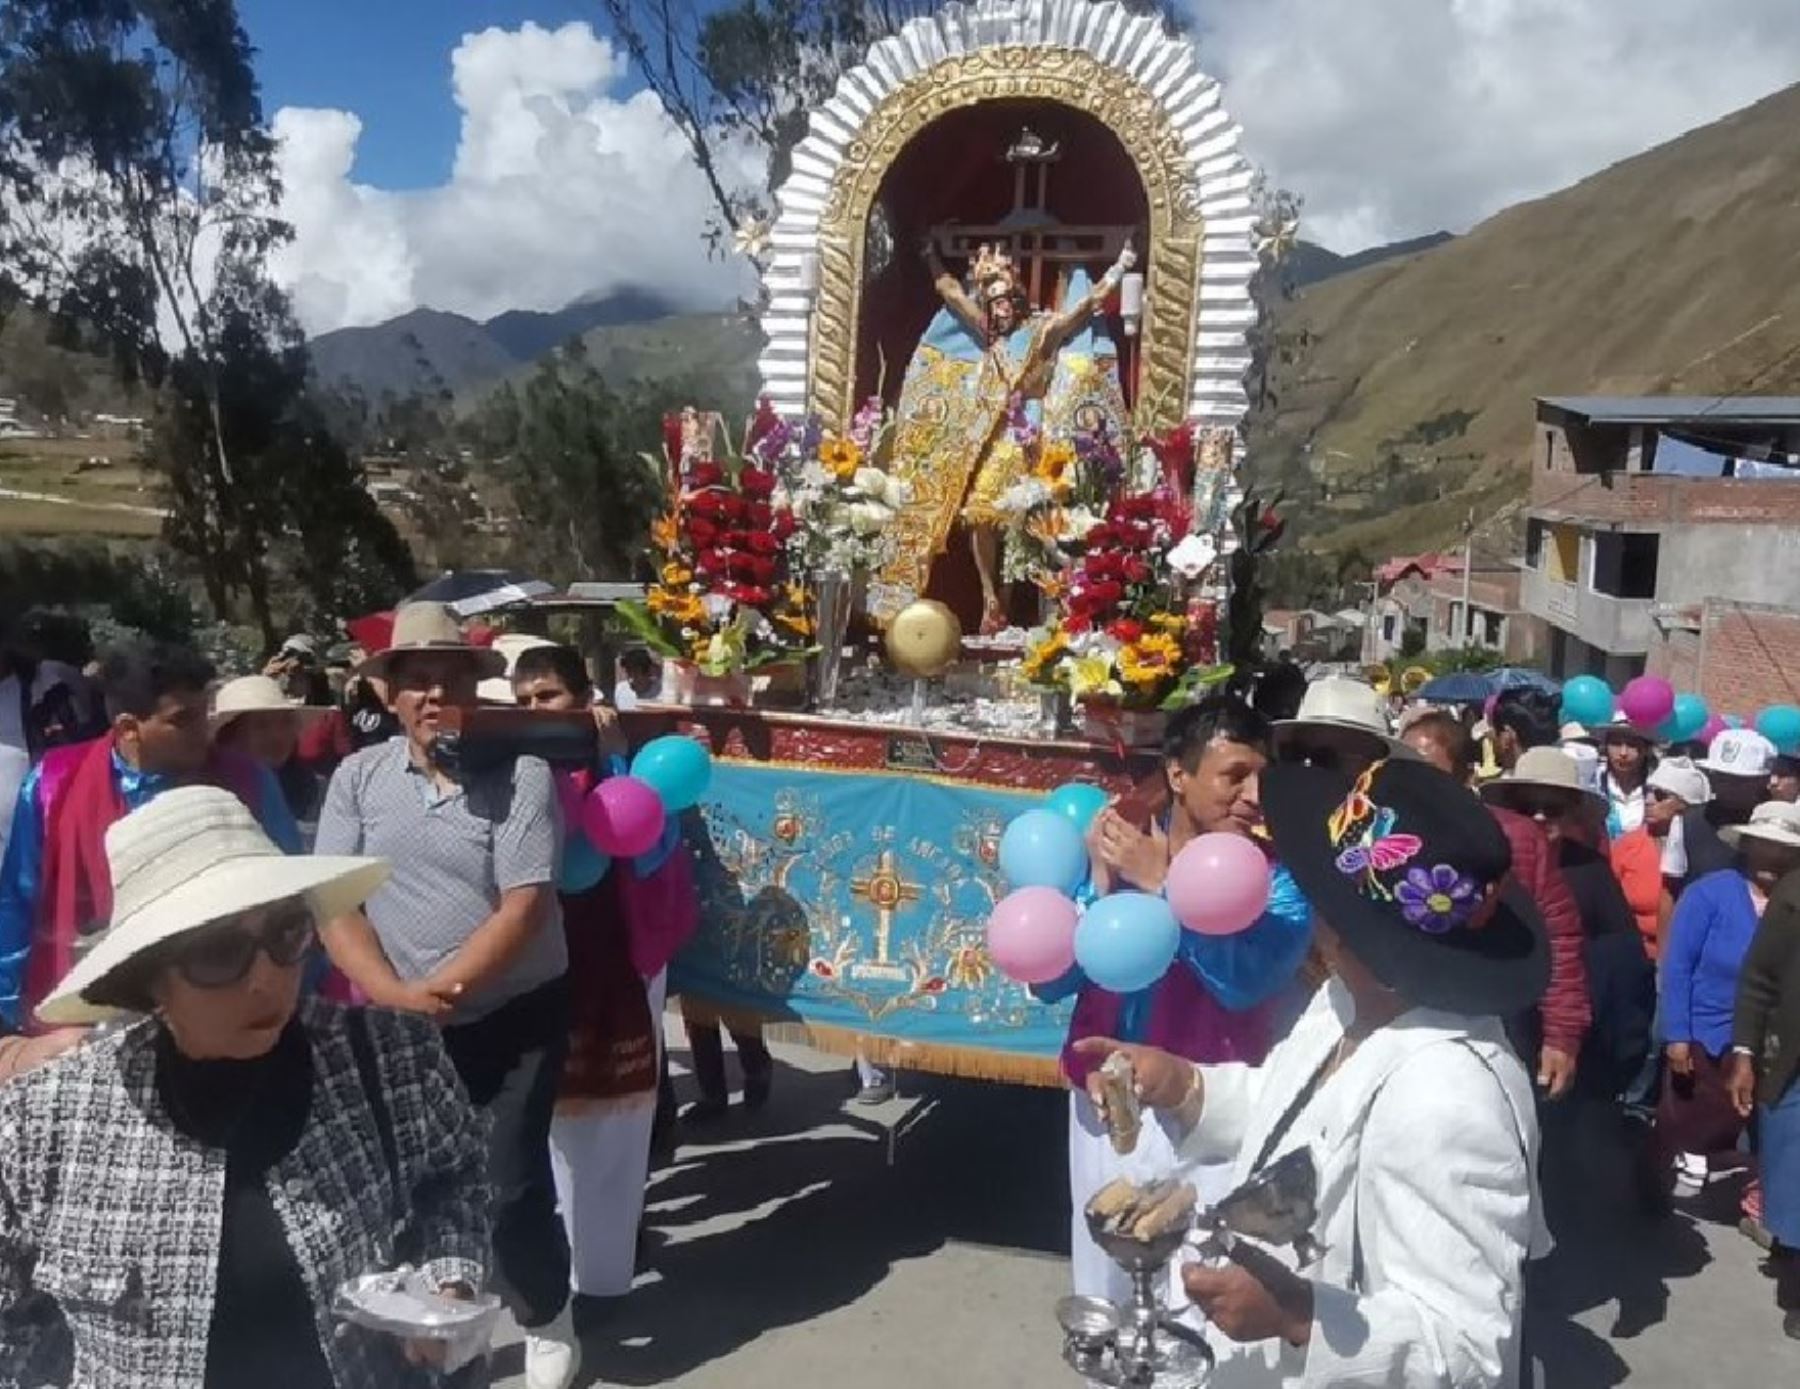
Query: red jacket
point(1565, 1007)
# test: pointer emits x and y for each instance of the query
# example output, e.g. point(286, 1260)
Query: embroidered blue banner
point(856, 902)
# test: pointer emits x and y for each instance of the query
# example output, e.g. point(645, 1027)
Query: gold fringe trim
point(972, 1063)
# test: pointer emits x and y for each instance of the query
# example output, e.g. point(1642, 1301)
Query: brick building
point(1424, 594)
point(1739, 657)
point(1658, 526)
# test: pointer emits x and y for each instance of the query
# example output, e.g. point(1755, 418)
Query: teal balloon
point(582, 864)
point(1078, 802)
point(1689, 717)
point(1780, 724)
point(1043, 849)
point(678, 769)
point(1126, 941)
point(1587, 699)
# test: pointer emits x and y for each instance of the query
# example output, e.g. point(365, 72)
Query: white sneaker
point(552, 1354)
point(1690, 1175)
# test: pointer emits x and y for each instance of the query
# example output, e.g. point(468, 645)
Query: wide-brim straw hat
point(433, 628)
point(1549, 769)
point(1773, 822)
point(1337, 701)
point(256, 694)
point(192, 857)
point(1414, 875)
point(511, 646)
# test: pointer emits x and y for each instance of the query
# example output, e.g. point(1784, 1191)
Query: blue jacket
point(21, 871)
point(1708, 938)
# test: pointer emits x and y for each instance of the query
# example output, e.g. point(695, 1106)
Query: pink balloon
point(623, 817)
point(1715, 725)
point(1647, 701)
point(1031, 935)
point(1218, 884)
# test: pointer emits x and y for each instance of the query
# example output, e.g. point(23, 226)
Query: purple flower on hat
point(1437, 899)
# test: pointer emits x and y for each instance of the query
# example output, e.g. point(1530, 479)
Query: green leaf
point(645, 628)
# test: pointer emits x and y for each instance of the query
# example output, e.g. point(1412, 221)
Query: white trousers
point(601, 1163)
point(1093, 1163)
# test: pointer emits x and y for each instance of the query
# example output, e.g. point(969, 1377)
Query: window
point(1537, 534)
point(1625, 563)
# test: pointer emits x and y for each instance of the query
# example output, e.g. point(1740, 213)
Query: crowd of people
point(289, 997)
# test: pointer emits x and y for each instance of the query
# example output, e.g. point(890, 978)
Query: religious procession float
point(977, 539)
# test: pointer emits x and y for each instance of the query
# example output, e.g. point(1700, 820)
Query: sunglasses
point(222, 956)
point(1543, 807)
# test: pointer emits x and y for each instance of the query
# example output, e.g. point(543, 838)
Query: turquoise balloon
point(1780, 724)
point(1688, 719)
point(1587, 699)
point(582, 864)
point(1043, 849)
point(678, 769)
point(1078, 802)
point(1126, 941)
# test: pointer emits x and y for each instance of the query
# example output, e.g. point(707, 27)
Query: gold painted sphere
point(924, 639)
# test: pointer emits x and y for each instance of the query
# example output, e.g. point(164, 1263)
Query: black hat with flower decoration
point(1414, 874)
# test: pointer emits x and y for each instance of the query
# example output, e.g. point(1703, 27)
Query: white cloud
point(559, 189)
point(1398, 117)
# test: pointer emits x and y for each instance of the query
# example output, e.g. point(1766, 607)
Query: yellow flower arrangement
point(1091, 676)
point(1173, 623)
point(1040, 661)
point(676, 605)
point(841, 457)
point(1151, 658)
point(1055, 464)
point(675, 574)
point(665, 532)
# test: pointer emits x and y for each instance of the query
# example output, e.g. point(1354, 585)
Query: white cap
point(1337, 701)
point(1778, 822)
point(1741, 752)
point(1679, 776)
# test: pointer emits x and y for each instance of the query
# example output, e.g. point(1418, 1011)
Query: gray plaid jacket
point(110, 1217)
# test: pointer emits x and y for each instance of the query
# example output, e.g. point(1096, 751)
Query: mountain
point(1310, 263)
point(428, 351)
point(1401, 394)
point(527, 334)
point(424, 352)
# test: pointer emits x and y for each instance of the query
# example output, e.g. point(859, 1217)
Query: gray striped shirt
point(453, 854)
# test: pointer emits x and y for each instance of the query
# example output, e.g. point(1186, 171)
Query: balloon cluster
point(1651, 705)
point(624, 816)
point(1217, 885)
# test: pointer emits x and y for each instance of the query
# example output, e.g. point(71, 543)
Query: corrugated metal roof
point(1677, 409)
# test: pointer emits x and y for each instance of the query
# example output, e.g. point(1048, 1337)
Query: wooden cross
point(886, 891)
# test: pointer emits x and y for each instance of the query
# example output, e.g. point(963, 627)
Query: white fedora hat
point(511, 645)
point(1549, 769)
point(1337, 701)
point(255, 694)
point(422, 627)
point(191, 857)
point(1774, 822)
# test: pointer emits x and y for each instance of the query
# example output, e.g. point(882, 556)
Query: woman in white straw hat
point(185, 1194)
point(253, 716)
point(1714, 923)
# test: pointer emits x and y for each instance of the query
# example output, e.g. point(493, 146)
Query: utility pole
point(1468, 624)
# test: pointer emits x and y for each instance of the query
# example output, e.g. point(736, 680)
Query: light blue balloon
point(678, 769)
point(1733, 721)
point(1126, 941)
point(1688, 719)
point(1780, 724)
point(1043, 849)
point(1587, 699)
point(1078, 802)
point(582, 864)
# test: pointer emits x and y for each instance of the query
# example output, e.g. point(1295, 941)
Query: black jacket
point(1767, 1020)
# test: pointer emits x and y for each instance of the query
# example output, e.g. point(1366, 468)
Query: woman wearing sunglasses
point(182, 1196)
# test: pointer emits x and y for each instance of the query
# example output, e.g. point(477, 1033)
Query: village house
point(1664, 537)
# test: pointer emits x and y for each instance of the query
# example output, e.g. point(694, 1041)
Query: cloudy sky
point(480, 155)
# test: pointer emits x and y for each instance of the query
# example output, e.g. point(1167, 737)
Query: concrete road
point(785, 1253)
